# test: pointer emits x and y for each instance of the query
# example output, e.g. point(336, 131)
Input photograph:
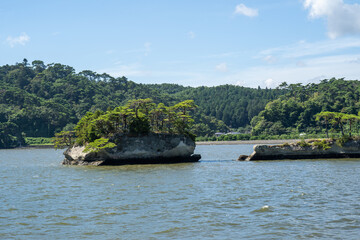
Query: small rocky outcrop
point(149, 149)
point(242, 157)
point(311, 149)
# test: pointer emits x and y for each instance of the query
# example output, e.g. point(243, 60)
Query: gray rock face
point(350, 149)
point(154, 148)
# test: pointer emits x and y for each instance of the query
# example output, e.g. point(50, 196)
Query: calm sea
point(217, 198)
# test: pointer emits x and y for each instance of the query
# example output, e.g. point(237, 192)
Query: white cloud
point(320, 8)
point(22, 39)
point(222, 67)
point(269, 83)
point(342, 18)
point(301, 64)
point(191, 35)
point(269, 59)
point(357, 60)
point(246, 11)
point(240, 83)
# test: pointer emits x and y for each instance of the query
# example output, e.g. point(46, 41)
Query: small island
point(307, 149)
point(140, 132)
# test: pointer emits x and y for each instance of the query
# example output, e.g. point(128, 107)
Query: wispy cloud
point(305, 49)
point(241, 9)
point(145, 49)
point(302, 62)
point(22, 39)
point(342, 18)
point(222, 67)
point(135, 71)
point(264, 75)
point(315, 69)
point(225, 55)
point(269, 59)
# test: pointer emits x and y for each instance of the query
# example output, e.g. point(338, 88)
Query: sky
point(248, 43)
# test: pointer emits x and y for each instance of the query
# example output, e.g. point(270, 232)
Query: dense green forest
point(295, 112)
point(39, 100)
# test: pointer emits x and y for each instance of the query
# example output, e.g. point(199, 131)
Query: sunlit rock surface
point(349, 149)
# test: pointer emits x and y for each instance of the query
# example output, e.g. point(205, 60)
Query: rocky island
point(150, 149)
point(137, 133)
point(309, 149)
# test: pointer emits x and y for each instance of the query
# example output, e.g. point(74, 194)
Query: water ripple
point(213, 199)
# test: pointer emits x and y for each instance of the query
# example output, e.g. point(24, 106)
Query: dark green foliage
point(297, 110)
point(42, 100)
point(139, 126)
point(39, 141)
point(64, 139)
point(343, 139)
point(137, 117)
point(45, 99)
point(9, 135)
point(234, 105)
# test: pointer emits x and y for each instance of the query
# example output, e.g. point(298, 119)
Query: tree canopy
point(138, 117)
point(41, 100)
point(303, 108)
point(45, 99)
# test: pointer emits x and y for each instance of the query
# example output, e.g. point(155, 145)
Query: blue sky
point(249, 43)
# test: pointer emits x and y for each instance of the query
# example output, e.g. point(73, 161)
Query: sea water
point(216, 198)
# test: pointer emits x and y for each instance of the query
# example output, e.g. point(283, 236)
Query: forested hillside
point(295, 111)
point(234, 105)
point(38, 100)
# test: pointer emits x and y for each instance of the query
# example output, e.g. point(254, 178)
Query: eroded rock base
point(114, 162)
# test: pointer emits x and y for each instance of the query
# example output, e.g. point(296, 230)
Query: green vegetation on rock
point(137, 118)
point(39, 141)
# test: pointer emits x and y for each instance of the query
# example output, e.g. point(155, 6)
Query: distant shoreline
point(248, 142)
point(38, 146)
point(280, 141)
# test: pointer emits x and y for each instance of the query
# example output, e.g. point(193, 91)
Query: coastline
point(239, 142)
point(39, 146)
point(280, 141)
